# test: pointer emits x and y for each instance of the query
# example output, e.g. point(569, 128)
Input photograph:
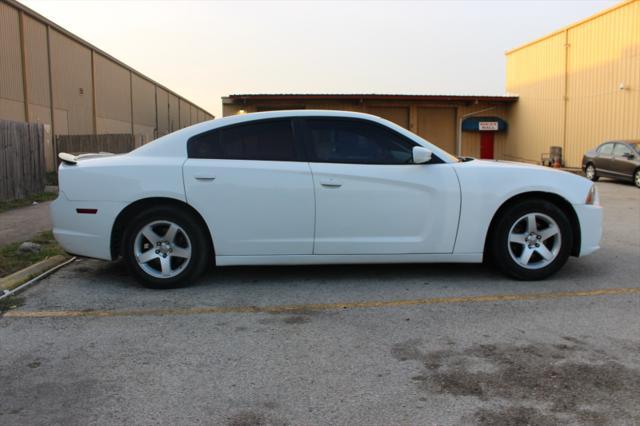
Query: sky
point(204, 50)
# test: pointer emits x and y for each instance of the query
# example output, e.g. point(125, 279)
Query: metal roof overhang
point(362, 97)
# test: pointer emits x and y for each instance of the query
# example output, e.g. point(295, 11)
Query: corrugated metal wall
point(185, 113)
point(11, 88)
point(72, 84)
point(144, 107)
point(162, 111)
point(174, 113)
point(37, 66)
point(603, 54)
point(113, 96)
point(569, 87)
point(62, 70)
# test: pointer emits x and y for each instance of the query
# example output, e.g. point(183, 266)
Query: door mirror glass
point(421, 155)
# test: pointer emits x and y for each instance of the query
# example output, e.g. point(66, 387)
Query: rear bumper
point(84, 234)
point(590, 218)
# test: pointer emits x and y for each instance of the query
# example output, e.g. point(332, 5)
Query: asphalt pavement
point(368, 344)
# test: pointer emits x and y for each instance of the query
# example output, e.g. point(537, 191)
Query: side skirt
point(327, 259)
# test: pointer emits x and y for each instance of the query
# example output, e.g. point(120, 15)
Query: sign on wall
point(488, 126)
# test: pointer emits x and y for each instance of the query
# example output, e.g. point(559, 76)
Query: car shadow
point(344, 277)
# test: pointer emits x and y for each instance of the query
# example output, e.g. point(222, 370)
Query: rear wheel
point(532, 240)
point(165, 248)
point(590, 172)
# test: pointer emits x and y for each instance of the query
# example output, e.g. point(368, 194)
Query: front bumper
point(590, 218)
point(84, 234)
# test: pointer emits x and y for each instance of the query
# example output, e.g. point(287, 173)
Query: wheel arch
point(556, 199)
point(130, 211)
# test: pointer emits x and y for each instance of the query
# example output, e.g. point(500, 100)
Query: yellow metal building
point(51, 76)
point(576, 87)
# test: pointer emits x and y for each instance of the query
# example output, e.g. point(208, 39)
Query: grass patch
point(10, 302)
point(24, 202)
point(11, 261)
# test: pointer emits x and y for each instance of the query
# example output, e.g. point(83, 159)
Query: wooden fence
point(22, 162)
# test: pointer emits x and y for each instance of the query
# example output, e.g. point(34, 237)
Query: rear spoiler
point(71, 159)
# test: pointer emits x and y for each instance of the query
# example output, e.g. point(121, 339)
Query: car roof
point(623, 141)
point(242, 118)
point(173, 143)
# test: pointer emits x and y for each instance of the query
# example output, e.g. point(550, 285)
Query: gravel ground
point(375, 345)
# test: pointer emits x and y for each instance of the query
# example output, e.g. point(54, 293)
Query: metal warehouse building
point(573, 89)
point(576, 87)
point(49, 75)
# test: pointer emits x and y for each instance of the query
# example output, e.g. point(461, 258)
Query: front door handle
point(205, 178)
point(330, 183)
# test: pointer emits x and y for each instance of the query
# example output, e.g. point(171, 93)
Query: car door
point(604, 159)
point(253, 190)
point(623, 161)
point(371, 198)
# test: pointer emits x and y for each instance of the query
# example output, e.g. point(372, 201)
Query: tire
point(174, 244)
point(531, 240)
point(636, 178)
point(590, 172)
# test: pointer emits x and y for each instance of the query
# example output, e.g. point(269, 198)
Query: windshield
point(635, 145)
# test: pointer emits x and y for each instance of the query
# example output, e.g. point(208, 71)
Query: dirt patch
point(514, 416)
point(252, 418)
point(247, 418)
point(555, 375)
point(290, 320)
point(297, 319)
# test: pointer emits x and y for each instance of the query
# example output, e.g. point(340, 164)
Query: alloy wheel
point(534, 240)
point(162, 249)
point(590, 172)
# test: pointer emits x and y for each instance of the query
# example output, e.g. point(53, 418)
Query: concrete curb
point(14, 280)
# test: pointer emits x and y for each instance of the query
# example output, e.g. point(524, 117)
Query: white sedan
point(316, 187)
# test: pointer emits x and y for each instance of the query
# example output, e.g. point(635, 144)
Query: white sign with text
point(486, 126)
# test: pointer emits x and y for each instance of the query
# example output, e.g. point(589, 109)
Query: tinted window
point(356, 141)
point(620, 150)
point(268, 141)
point(606, 148)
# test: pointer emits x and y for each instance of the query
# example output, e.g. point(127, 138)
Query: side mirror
point(628, 156)
point(421, 155)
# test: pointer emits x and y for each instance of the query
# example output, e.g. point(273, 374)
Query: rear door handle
point(205, 178)
point(330, 183)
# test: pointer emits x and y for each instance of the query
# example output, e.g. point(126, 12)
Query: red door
point(486, 145)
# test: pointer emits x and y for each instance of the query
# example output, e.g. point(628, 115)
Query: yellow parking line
point(320, 306)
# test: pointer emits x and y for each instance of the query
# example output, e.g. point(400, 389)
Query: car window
point(356, 142)
point(620, 150)
point(606, 149)
point(270, 140)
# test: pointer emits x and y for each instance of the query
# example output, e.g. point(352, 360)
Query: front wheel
point(532, 240)
point(590, 173)
point(165, 248)
point(636, 178)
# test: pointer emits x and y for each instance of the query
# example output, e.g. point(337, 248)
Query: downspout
point(459, 142)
